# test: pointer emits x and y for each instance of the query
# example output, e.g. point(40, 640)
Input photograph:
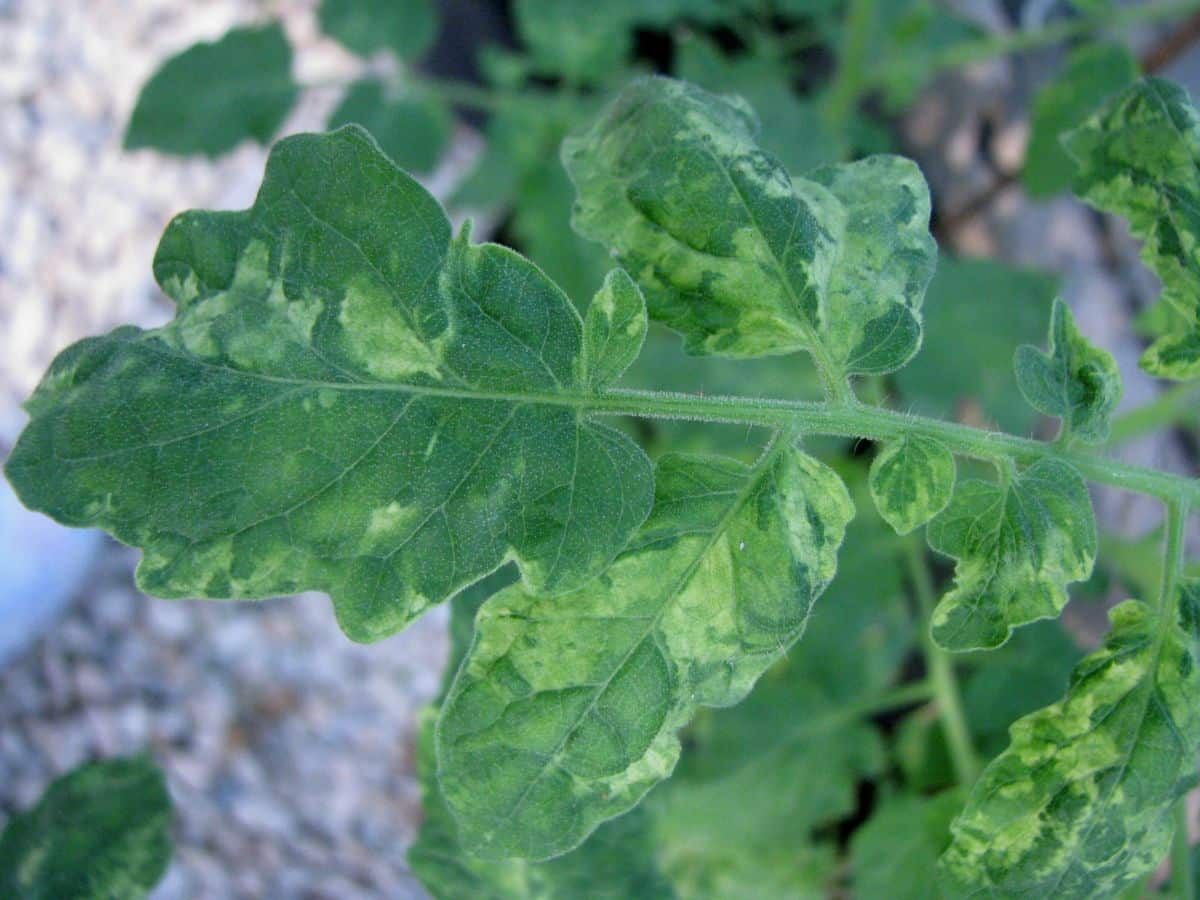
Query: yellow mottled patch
point(379, 335)
point(387, 524)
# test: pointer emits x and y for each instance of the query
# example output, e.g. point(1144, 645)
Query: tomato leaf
point(567, 710)
point(406, 27)
point(346, 401)
point(1018, 546)
point(1080, 803)
point(1075, 381)
point(212, 96)
point(912, 479)
point(738, 256)
point(1139, 157)
point(102, 830)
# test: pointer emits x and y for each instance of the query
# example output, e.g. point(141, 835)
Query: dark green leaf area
point(976, 312)
point(1017, 546)
point(100, 832)
point(1079, 805)
point(346, 401)
point(1093, 73)
point(894, 854)
point(406, 27)
point(1075, 381)
point(567, 709)
point(414, 130)
point(212, 96)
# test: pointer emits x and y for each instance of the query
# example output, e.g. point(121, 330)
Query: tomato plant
point(674, 663)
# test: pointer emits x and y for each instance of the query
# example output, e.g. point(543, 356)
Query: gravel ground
point(288, 748)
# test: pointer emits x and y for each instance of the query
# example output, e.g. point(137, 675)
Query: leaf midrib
point(755, 476)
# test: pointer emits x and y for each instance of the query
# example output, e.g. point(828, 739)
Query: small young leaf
point(895, 852)
point(1018, 546)
point(346, 401)
point(912, 479)
point(213, 96)
point(1080, 803)
point(101, 831)
point(739, 257)
point(1139, 157)
point(1076, 381)
point(1093, 73)
point(406, 27)
point(567, 710)
point(613, 330)
point(413, 130)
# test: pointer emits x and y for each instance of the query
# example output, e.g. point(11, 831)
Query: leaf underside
point(567, 711)
point(346, 401)
point(1017, 548)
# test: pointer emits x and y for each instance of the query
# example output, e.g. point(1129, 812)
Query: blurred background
point(290, 750)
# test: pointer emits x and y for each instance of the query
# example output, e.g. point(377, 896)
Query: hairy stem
point(941, 672)
point(1182, 878)
point(855, 420)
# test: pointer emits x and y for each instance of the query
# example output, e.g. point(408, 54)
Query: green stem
point(1106, 18)
point(1183, 884)
point(855, 420)
point(1169, 408)
point(941, 673)
point(848, 83)
point(905, 695)
point(1177, 510)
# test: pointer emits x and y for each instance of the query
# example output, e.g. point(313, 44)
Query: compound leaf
point(1075, 381)
point(414, 130)
point(1079, 805)
point(1018, 546)
point(406, 27)
point(739, 257)
point(1093, 73)
point(346, 401)
point(912, 479)
point(1139, 157)
point(566, 711)
point(613, 330)
point(212, 96)
point(100, 831)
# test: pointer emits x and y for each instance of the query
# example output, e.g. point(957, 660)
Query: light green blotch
point(381, 338)
point(266, 324)
point(387, 526)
